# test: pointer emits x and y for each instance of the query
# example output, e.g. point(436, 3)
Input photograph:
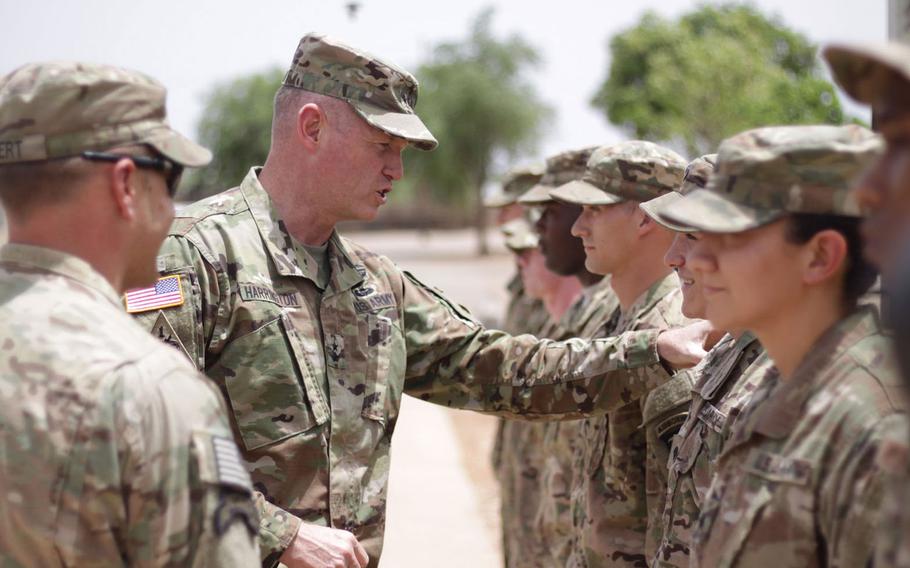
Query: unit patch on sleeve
point(166, 293)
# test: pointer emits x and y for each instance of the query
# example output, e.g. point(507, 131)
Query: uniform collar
point(649, 299)
point(41, 259)
point(785, 405)
point(288, 255)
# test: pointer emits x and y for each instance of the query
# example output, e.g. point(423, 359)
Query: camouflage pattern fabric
point(634, 170)
point(892, 545)
point(514, 184)
point(60, 109)
point(587, 318)
point(798, 483)
point(765, 173)
point(382, 93)
point(869, 73)
point(314, 379)
point(613, 462)
point(698, 172)
point(561, 168)
point(725, 382)
point(519, 476)
point(115, 451)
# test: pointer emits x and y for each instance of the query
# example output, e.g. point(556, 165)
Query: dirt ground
point(443, 501)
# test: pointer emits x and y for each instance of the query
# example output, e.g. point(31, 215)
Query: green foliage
point(236, 126)
point(714, 72)
point(476, 101)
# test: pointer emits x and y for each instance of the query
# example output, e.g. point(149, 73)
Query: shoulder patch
point(164, 332)
point(165, 293)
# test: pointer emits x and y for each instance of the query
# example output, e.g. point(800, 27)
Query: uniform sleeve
point(453, 361)
point(188, 494)
point(852, 498)
point(190, 324)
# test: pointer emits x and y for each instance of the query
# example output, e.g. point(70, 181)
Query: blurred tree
point(712, 73)
point(236, 127)
point(476, 101)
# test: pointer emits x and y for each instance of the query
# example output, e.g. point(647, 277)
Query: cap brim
point(861, 70)
point(536, 195)
point(179, 148)
point(583, 193)
point(704, 210)
point(402, 125)
point(498, 200)
point(656, 207)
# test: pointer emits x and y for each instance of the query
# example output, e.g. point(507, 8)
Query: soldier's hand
point(324, 547)
point(684, 347)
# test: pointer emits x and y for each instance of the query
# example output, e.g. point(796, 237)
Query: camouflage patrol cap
point(61, 109)
point(766, 173)
point(514, 184)
point(561, 168)
point(383, 94)
point(697, 174)
point(629, 171)
point(519, 234)
point(871, 73)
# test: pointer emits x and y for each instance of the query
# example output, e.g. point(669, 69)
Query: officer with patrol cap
point(314, 339)
point(114, 449)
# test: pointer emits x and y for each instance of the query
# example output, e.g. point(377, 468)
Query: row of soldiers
point(746, 459)
point(258, 429)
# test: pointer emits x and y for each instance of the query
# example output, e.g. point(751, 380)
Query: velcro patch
point(166, 293)
point(780, 468)
point(710, 415)
point(374, 302)
point(230, 466)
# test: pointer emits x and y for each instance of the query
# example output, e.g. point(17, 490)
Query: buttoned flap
point(265, 386)
point(380, 401)
point(687, 446)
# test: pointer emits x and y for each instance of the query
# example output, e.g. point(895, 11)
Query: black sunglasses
point(171, 169)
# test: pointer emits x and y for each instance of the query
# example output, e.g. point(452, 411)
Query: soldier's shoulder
point(373, 262)
point(208, 212)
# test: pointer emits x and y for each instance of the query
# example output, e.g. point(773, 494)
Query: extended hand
point(684, 347)
point(324, 547)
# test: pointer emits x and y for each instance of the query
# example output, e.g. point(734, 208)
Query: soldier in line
point(586, 318)
point(513, 458)
point(724, 382)
point(522, 453)
point(879, 75)
point(797, 483)
point(615, 468)
point(313, 339)
point(115, 450)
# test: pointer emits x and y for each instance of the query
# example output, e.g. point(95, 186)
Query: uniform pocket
point(264, 385)
point(379, 330)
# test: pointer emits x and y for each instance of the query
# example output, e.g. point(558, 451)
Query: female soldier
point(797, 483)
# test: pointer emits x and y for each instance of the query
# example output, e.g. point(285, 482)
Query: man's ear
point(645, 223)
point(826, 256)
point(311, 125)
point(123, 182)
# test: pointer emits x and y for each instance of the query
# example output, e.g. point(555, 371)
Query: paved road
point(443, 501)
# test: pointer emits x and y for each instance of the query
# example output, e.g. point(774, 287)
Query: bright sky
point(190, 45)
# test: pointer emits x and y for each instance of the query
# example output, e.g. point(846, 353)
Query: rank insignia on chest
point(166, 293)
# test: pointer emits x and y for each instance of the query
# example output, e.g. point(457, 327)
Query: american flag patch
point(166, 293)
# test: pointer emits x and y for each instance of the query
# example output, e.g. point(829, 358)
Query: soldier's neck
point(308, 224)
point(634, 279)
point(558, 299)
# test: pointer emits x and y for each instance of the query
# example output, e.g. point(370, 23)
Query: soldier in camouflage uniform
point(115, 450)
point(513, 460)
point(314, 339)
point(520, 478)
point(879, 75)
point(797, 483)
point(724, 383)
point(586, 318)
point(618, 465)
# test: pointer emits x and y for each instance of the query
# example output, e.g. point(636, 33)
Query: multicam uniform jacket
point(725, 382)
point(614, 461)
point(314, 379)
point(586, 318)
point(114, 450)
point(798, 483)
point(892, 537)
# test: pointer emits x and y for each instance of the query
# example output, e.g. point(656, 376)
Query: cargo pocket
point(265, 386)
